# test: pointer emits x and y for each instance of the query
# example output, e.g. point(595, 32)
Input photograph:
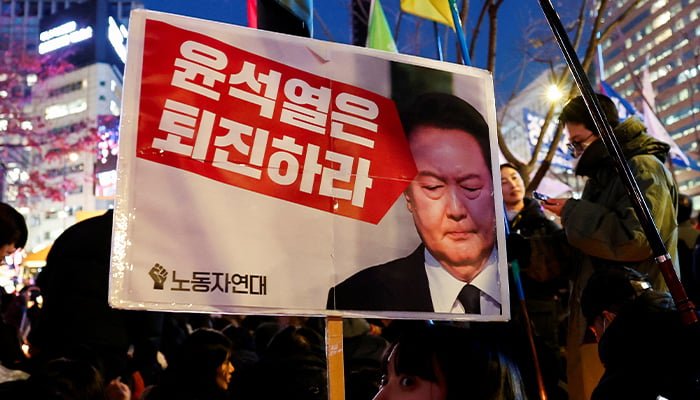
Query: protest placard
point(259, 170)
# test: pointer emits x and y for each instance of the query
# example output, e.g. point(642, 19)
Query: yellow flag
point(434, 10)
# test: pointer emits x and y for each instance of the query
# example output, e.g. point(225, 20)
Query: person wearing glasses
point(602, 226)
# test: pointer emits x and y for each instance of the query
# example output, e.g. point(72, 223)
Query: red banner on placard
point(247, 121)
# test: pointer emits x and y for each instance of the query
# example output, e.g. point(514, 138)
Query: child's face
point(408, 387)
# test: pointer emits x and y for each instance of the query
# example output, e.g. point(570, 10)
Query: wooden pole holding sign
point(334, 357)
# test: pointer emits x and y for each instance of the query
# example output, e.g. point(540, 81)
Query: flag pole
point(460, 32)
point(438, 42)
point(661, 256)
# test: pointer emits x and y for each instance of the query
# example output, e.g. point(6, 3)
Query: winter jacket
point(540, 247)
point(603, 228)
point(603, 224)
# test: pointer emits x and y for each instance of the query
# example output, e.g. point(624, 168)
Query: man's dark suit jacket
point(399, 285)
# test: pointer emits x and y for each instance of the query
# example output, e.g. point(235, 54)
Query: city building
point(80, 105)
point(663, 35)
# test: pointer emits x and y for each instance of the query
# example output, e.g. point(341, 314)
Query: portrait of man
point(455, 269)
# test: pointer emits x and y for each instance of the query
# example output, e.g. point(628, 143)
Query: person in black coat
point(76, 320)
point(643, 343)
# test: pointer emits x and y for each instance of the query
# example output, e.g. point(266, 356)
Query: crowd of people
point(586, 283)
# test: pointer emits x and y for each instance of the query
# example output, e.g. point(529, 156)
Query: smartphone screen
point(540, 196)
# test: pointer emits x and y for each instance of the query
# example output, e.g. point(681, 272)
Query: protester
point(77, 321)
point(11, 354)
point(451, 201)
point(444, 362)
point(540, 247)
point(200, 370)
point(602, 225)
point(65, 379)
point(363, 352)
point(295, 357)
point(13, 230)
point(646, 349)
point(13, 236)
point(243, 353)
point(688, 244)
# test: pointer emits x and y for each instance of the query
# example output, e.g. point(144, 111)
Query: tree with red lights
point(26, 143)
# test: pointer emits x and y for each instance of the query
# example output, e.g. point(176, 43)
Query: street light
point(553, 93)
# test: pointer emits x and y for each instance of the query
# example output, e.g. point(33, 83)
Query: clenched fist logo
point(159, 274)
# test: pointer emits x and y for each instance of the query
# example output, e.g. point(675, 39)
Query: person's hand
point(554, 205)
point(117, 390)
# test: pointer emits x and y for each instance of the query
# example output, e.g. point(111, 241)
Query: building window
point(62, 110)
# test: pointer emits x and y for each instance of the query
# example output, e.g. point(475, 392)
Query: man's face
point(580, 138)
point(451, 199)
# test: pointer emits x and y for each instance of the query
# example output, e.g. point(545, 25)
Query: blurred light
point(553, 93)
point(60, 30)
point(61, 110)
point(13, 175)
point(26, 125)
point(32, 79)
point(117, 38)
point(114, 108)
point(65, 40)
point(73, 156)
point(3, 93)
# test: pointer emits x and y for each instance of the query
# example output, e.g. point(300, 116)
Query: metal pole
point(461, 38)
point(661, 256)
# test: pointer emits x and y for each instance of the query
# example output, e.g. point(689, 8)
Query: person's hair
point(508, 165)
point(611, 288)
point(446, 111)
point(198, 357)
point(576, 112)
point(13, 228)
point(473, 365)
point(68, 379)
point(511, 166)
point(685, 207)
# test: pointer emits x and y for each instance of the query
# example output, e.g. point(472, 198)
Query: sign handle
point(334, 355)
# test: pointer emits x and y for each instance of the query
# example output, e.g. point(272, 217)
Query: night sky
point(332, 22)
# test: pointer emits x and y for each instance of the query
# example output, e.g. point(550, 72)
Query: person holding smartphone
point(602, 225)
point(535, 241)
point(541, 250)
